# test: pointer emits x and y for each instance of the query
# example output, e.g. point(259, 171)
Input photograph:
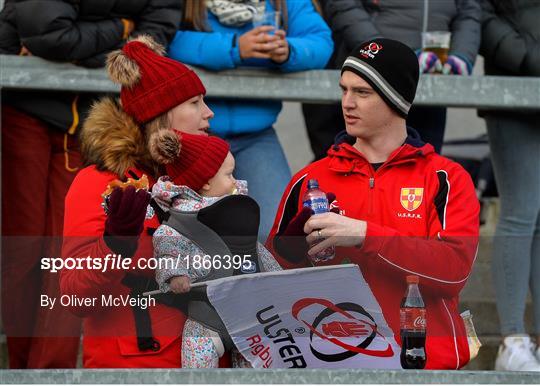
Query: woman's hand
point(258, 43)
point(125, 220)
point(127, 211)
point(281, 53)
point(180, 284)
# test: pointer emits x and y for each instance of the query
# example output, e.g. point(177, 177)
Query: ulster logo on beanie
point(390, 67)
point(371, 50)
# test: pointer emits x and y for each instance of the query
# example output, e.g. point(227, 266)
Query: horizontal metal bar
point(309, 86)
point(251, 376)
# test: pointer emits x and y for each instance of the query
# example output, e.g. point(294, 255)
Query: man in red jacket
point(403, 209)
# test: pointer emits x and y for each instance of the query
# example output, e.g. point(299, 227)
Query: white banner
point(324, 317)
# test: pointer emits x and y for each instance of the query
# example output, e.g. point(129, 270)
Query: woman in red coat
point(157, 94)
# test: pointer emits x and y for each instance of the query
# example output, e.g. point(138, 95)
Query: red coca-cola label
point(412, 318)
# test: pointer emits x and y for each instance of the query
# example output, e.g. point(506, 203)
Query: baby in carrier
point(205, 218)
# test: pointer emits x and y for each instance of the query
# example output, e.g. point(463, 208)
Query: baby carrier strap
point(143, 324)
point(188, 225)
point(199, 307)
point(227, 227)
point(236, 220)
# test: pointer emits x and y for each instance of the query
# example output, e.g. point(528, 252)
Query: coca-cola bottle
point(315, 199)
point(413, 327)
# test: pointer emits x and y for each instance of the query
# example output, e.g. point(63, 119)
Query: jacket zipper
point(379, 171)
point(371, 183)
point(370, 198)
point(371, 190)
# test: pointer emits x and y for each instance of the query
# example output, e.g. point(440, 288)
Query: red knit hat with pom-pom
point(151, 83)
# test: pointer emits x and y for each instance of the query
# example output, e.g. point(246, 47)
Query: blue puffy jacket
point(310, 43)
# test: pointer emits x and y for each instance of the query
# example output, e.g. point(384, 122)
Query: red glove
point(331, 197)
point(291, 243)
point(125, 219)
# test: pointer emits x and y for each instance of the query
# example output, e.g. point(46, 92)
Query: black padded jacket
point(354, 21)
point(82, 32)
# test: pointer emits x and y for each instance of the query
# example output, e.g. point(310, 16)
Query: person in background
point(220, 34)
point(511, 47)
point(353, 21)
point(40, 156)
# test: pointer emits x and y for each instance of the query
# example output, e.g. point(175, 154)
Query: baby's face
point(223, 182)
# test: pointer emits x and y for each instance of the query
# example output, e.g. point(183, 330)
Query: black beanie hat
point(390, 67)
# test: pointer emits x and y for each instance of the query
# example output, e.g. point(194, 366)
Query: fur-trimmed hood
point(111, 140)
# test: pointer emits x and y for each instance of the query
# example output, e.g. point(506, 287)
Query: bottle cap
point(412, 279)
point(313, 183)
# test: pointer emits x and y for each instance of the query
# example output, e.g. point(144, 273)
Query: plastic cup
point(437, 42)
point(272, 18)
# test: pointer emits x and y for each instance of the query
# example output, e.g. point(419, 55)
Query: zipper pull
point(371, 182)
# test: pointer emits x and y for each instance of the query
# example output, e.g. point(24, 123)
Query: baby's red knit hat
point(190, 160)
point(151, 83)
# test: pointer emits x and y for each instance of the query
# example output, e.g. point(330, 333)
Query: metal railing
point(485, 92)
point(250, 376)
point(311, 86)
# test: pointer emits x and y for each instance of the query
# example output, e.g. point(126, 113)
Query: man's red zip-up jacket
point(422, 219)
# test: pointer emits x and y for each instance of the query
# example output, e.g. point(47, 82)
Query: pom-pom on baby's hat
point(190, 160)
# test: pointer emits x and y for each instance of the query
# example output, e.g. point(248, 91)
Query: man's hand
point(180, 284)
point(258, 43)
point(334, 230)
point(291, 244)
point(281, 53)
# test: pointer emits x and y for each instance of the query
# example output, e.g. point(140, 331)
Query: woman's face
point(191, 116)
